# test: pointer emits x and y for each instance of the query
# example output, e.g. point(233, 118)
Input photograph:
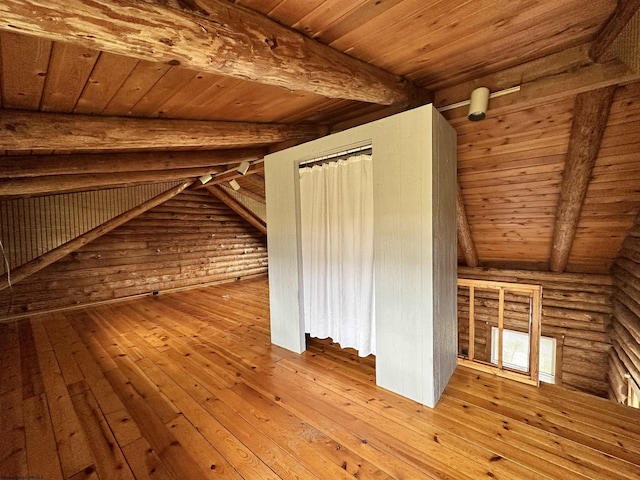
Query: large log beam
point(21, 130)
point(88, 164)
point(464, 232)
point(37, 264)
point(237, 207)
point(625, 10)
point(209, 36)
point(589, 121)
point(54, 184)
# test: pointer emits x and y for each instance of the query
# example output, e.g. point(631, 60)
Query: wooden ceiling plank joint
point(589, 121)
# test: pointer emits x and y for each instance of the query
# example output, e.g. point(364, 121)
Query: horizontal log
point(629, 255)
point(588, 318)
point(151, 279)
point(526, 276)
point(206, 229)
point(20, 130)
point(560, 332)
point(95, 261)
point(584, 384)
point(192, 215)
point(576, 297)
point(204, 278)
point(55, 184)
point(214, 37)
point(579, 306)
point(622, 296)
point(570, 325)
point(185, 256)
point(584, 369)
point(627, 319)
point(626, 341)
point(588, 345)
point(65, 285)
point(626, 271)
point(588, 357)
point(109, 163)
point(132, 235)
point(110, 295)
point(88, 273)
point(624, 359)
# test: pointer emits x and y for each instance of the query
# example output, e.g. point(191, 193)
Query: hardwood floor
point(187, 386)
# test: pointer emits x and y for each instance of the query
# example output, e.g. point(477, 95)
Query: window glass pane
point(515, 353)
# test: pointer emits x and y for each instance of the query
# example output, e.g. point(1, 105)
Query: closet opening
point(337, 236)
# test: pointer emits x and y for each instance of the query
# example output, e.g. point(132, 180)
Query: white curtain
point(337, 248)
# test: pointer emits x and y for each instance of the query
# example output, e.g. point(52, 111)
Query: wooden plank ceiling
point(88, 89)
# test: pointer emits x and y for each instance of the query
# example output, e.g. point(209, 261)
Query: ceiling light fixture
point(464, 103)
point(243, 167)
point(478, 104)
point(235, 185)
point(205, 178)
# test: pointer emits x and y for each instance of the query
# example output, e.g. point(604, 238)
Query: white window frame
point(544, 376)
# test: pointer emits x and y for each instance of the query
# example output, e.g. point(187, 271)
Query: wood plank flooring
point(187, 386)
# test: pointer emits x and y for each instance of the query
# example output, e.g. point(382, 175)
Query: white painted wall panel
point(414, 155)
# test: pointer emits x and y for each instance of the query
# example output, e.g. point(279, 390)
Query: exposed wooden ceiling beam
point(464, 232)
point(23, 271)
point(209, 36)
point(237, 207)
point(20, 130)
point(87, 164)
point(53, 184)
point(541, 81)
point(589, 121)
point(625, 10)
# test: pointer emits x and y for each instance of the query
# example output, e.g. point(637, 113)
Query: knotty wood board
point(226, 377)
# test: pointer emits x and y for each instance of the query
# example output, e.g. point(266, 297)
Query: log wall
point(32, 226)
point(576, 310)
point(189, 240)
point(624, 358)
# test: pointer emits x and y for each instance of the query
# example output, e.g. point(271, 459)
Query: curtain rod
point(361, 148)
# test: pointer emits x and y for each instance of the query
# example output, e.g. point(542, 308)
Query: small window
point(515, 353)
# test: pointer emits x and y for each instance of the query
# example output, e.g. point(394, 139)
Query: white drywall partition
point(414, 157)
